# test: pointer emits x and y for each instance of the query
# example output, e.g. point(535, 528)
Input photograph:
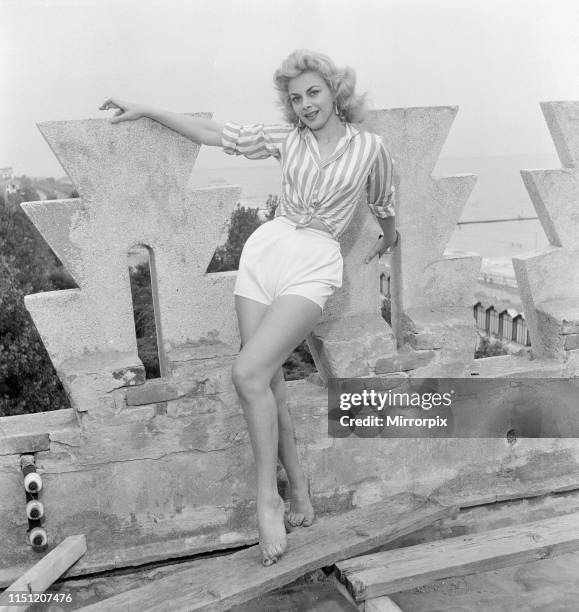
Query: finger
point(119, 112)
point(108, 104)
point(371, 255)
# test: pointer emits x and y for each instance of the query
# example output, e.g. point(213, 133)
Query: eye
point(314, 92)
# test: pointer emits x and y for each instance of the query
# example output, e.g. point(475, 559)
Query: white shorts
point(281, 259)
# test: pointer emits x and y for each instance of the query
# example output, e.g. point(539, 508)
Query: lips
point(311, 116)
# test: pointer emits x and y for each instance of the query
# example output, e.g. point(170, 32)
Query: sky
point(494, 59)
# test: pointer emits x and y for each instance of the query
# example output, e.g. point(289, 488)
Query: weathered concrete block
point(406, 359)
point(561, 118)
point(512, 366)
point(450, 282)
point(24, 443)
point(549, 286)
point(571, 367)
point(214, 372)
point(159, 390)
point(31, 433)
point(570, 327)
point(423, 341)
point(347, 347)
point(89, 380)
point(200, 350)
point(449, 329)
point(555, 194)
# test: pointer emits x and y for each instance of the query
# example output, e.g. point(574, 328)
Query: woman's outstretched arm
point(197, 129)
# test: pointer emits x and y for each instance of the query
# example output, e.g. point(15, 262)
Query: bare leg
point(301, 509)
point(285, 323)
point(250, 315)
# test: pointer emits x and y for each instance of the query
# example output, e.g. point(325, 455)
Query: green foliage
point(488, 347)
point(244, 221)
point(144, 314)
point(271, 205)
point(20, 239)
point(28, 382)
point(387, 310)
point(300, 364)
point(59, 279)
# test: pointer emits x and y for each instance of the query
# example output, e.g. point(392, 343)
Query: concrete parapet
point(549, 280)
point(132, 180)
point(155, 469)
point(423, 276)
point(428, 209)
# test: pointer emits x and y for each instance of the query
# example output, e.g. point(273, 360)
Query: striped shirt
point(330, 190)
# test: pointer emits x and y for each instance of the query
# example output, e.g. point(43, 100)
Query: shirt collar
point(341, 146)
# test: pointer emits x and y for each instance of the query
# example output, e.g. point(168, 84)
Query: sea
point(499, 193)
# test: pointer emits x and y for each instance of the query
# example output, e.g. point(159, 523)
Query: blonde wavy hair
point(351, 107)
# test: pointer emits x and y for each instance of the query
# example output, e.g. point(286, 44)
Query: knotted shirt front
point(327, 190)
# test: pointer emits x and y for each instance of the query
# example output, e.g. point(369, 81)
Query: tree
point(28, 382)
point(21, 240)
point(144, 314)
point(271, 205)
point(243, 222)
point(489, 348)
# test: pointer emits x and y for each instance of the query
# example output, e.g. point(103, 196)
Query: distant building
point(7, 183)
point(6, 175)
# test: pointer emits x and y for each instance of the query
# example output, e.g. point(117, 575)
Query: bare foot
point(272, 533)
point(301, 509)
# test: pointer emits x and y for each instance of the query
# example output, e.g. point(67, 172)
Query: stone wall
point(153, 469)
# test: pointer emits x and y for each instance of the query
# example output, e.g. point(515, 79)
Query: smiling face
point(312, 99)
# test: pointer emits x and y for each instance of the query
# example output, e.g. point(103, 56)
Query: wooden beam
point(397, 570)
point(41, 575)
point(218, 583)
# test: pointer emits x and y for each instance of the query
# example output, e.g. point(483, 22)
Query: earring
point(336, 109)
point(300, 123)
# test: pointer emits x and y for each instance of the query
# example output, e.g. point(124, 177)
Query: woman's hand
point(126, 111)
point(381, 246)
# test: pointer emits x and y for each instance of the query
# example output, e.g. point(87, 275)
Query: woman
point(292, 264)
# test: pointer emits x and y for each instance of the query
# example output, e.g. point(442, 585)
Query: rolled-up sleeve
point(381, 191)
point(256, 141)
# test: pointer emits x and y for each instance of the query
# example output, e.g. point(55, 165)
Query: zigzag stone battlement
point(154, 469)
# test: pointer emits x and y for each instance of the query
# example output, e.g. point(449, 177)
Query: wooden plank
point(317, 597)
point(391, 571)
point(216, 584)
point(344, 591)
point(41, 575)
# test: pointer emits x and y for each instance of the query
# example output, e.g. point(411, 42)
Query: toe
point(296, 519)
point(289, 526)
point(307, 522)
